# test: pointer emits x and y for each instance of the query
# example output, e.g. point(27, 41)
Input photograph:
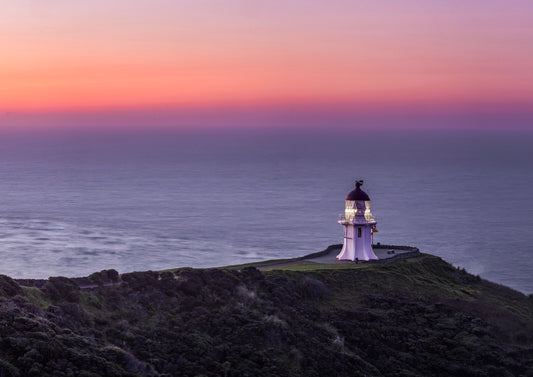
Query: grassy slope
point(428, 278)
point(413, 317)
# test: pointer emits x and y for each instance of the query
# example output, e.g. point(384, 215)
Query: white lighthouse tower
point(358, 224)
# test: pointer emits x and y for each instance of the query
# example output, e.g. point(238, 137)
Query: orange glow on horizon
point(59, 58)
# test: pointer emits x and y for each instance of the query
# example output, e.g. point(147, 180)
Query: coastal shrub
point(85, 373)
point(60, 288)
point(141, 281)
point(271, 323)
point(313, 289)
point(104, 277)
point(522, 337)
point(251, 274)
point(8, 370)
point(166, 276)
point(36, 297)
point(96, 278)
point(8, 287)
point(244, 293)
point(168, 284)
point(71, 312)
point(190, 282)
point(275, 321)
point(127, 360)
point(112, 275)
point(226, 279)
point(282, 289)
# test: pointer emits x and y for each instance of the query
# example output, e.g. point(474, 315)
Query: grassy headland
point(413, 317)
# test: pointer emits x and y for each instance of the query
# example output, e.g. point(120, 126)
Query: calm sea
point(75, 203)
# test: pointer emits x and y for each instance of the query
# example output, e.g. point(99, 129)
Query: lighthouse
point(358, 224)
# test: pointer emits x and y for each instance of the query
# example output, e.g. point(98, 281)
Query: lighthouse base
point(357, 243)
point(357, 256)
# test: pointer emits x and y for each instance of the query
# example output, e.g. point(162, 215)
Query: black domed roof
point(357, 194)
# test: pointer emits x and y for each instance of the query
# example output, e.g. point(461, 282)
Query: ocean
point(72, 203)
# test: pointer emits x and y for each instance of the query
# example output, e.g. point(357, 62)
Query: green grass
point(311, 266)
point(36, 297)
point(299, 264)
point(239, 266)
point(260, 264)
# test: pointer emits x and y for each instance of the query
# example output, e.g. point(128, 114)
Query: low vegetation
point(413, 317)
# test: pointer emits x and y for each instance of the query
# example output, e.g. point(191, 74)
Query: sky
point(212, 63)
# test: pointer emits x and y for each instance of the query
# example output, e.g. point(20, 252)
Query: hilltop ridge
point(412, 317)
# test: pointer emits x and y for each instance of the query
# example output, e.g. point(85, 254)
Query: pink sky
point(68, 59)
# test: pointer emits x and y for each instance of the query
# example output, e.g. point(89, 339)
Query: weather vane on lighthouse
point(359, 224)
